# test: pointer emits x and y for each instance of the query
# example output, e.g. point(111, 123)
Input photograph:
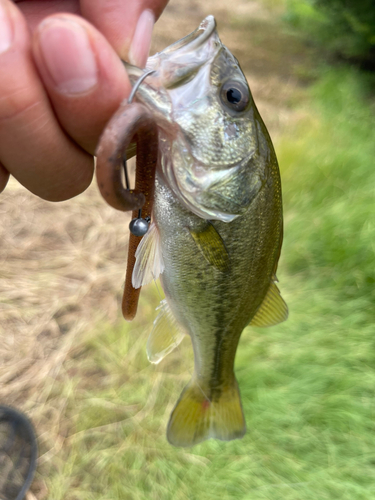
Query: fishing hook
point(138, 226)
point(132, 121)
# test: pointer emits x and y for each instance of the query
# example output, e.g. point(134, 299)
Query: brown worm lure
point(131, 123)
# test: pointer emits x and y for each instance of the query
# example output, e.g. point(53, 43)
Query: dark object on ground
point(18, 453)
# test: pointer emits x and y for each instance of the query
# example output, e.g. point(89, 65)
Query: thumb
point(127, 24)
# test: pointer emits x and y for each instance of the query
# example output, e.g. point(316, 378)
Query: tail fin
point(195, 418)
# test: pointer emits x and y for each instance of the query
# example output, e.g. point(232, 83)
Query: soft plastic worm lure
point(131, 123)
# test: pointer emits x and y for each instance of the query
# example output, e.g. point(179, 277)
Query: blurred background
point(70, 361)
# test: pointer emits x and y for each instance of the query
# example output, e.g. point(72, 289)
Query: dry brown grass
point(61, 273)
point(62, 264)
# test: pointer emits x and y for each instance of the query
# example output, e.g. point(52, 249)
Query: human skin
point(61, 80)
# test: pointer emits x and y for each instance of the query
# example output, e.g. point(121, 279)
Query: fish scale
point(195, 289)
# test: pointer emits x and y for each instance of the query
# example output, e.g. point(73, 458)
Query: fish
point(217, 226)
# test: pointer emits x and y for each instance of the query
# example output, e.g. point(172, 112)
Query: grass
point(345, 29)
point(307, 385)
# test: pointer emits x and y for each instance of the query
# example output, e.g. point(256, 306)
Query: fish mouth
point(196, 39)
point(175, 66)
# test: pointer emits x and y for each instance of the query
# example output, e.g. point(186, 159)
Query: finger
point(127, 24)
point(33, 147)
point(83, 75)
point(36, 10)
point(4, 177)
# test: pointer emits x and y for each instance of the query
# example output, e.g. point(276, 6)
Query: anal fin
point(195, 418)
point(273, 309)
point(165, 335)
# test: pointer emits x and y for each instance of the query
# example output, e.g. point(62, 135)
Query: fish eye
point(235, 95)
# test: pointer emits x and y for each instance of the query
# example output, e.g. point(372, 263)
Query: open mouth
point(196, 38)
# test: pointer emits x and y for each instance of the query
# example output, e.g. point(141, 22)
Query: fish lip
point(195, 39)
point(166, 64)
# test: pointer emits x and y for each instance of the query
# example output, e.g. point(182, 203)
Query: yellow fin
point(149, 262)
point(212, 246)
point(195, 418)
point(273, 309)
point(165, 335)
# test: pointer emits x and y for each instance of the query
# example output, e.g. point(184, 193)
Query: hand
point(61, 81)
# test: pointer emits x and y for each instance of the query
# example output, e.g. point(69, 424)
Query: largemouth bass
point(217, 227)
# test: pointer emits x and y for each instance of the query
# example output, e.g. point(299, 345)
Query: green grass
point(340, 27)
point(307, 385)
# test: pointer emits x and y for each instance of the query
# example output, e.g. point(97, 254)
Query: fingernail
point(140, 46)
point(5, 29)
point(68, 55)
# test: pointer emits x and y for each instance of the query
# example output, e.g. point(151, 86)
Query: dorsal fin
point(212, 246)
point(165, 335)
point(273, 309)
point(149, 260)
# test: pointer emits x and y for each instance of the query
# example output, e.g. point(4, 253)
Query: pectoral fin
point(212, 246)
point(149, 260)
point(273, 309)
point(165, 335)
